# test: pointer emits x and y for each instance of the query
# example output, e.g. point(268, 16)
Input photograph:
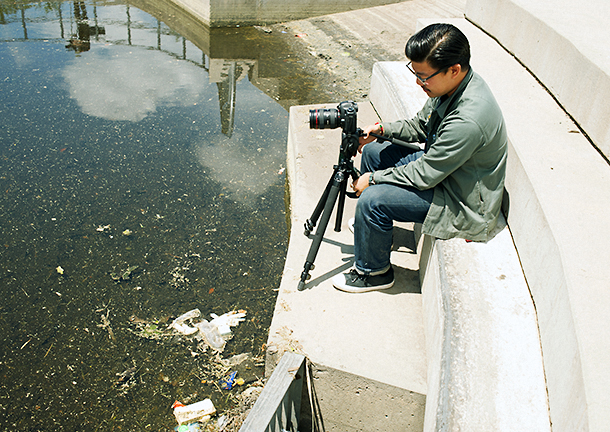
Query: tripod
point(337, 188)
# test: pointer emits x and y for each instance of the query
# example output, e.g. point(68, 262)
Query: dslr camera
point(344, 116)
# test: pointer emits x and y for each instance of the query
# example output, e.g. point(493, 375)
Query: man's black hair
point(441, 45)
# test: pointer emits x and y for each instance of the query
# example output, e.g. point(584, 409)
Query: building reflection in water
point(82, 40)
point(130, 69)
point(200, 46)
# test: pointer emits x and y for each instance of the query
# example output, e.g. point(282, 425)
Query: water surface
point(140, 178)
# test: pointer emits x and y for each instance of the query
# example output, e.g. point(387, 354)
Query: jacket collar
point(444, 103)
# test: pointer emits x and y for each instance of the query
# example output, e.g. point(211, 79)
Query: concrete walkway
point(378, 335)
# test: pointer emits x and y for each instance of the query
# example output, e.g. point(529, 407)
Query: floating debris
point(225, 321)
point(153, 329)
point(180, 325)
point(198, 411)
point(105, 325)
point(60, 270)
point(178, 279)
point(227, 383)
point(125, 375)
point(102, 228)
point(264, 29)
point(214, 333)
point(127, 232)
point(124, 275)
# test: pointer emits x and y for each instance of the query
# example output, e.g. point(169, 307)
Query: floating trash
point(211, 335)
point(227, 383)
point(59, 270)
point(189, 427)
point(198, 411)
point(124, 275)
point(214, 333)
point(228, 320)
point(180, 325)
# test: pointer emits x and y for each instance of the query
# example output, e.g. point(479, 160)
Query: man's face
point(436, 83)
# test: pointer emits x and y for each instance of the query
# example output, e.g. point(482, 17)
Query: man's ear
point(455, 70)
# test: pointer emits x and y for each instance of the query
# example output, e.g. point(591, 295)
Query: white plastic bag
point(179, 324)
point(225, 321)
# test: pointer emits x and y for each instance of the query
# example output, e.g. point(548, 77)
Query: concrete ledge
point(378, 335)
point(220, 13)
point(371, 343)
point(564, 43)
point(485, 368)
point(557, 187)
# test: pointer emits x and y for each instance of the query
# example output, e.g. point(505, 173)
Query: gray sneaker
point(355, 282)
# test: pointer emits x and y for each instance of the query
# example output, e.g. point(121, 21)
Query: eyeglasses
point(424, 80)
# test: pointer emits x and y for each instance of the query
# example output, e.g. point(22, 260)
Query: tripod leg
point(311, 222)
point(341, 204)
point(338, 180)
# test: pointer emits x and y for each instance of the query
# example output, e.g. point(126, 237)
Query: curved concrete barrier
point(557, 185)
point(484, 360)
point(564, 43)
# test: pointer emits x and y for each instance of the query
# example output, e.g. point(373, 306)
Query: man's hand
point(366, 137)
point(361, 183)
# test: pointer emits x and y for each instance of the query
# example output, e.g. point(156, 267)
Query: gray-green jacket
point(465, 160)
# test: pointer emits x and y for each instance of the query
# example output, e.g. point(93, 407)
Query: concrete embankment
point(547, 64)
point(557, 184)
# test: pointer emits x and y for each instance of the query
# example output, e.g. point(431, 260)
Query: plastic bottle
point(211, 334)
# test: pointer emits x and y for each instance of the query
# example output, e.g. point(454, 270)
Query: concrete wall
point(557, 185)
point(564, 43)
point(220, 13)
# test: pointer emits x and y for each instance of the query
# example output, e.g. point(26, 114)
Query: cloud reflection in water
point(128, 83)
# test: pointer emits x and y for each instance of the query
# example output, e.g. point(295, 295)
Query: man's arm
point(455, 144)
point(414, 129)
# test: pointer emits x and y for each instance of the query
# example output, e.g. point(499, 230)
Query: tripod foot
point(305, 276)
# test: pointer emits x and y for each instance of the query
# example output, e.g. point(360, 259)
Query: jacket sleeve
point(413, 130)
point(457, 140)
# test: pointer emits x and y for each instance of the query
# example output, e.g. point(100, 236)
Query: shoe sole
point(364, 289)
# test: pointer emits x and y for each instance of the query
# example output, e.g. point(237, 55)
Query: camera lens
point(324, 118)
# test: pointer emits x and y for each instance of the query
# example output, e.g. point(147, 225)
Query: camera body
point(344, 116)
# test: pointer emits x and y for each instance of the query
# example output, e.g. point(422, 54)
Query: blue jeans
point(382, 204)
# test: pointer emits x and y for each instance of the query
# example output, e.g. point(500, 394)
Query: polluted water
point(140, 179)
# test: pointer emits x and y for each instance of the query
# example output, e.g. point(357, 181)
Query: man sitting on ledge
point(454, 186)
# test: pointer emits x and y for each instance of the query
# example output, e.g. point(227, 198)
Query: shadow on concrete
point(407, 280)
